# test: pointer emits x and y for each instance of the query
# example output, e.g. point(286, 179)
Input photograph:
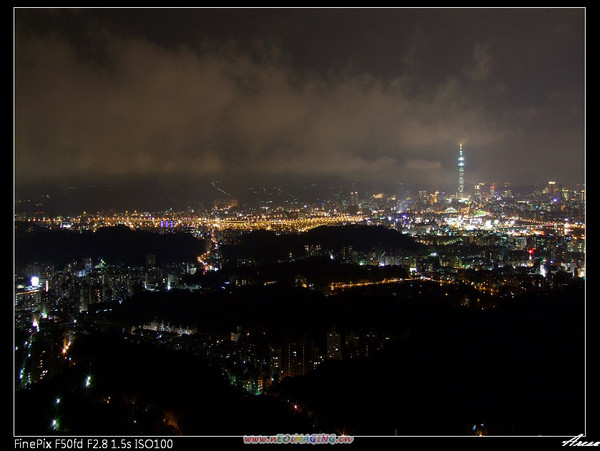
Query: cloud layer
point(137, 108)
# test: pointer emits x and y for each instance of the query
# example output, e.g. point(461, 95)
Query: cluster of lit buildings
point(253, 365)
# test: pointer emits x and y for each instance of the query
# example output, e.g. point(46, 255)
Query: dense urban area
point(410, 312)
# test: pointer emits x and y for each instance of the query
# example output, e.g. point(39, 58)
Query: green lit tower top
point(461, 173)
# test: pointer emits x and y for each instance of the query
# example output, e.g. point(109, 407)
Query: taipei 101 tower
point(461, 174)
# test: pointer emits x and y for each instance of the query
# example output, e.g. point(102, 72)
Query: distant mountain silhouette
point(265, 245)
point(115, 245)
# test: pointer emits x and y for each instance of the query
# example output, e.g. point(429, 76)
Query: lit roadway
point(299, 225)
point(245, 223)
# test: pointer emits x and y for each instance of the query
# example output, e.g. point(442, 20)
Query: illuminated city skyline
point(254, 223)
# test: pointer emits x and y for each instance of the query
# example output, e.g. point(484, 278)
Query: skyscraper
point(461, 173)
point(297, 356)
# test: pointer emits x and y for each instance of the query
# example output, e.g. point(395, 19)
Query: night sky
point(362, 94)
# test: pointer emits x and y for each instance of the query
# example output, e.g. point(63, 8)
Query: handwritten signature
point(576, 441)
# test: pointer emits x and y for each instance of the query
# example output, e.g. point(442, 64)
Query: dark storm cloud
point(183, 102)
